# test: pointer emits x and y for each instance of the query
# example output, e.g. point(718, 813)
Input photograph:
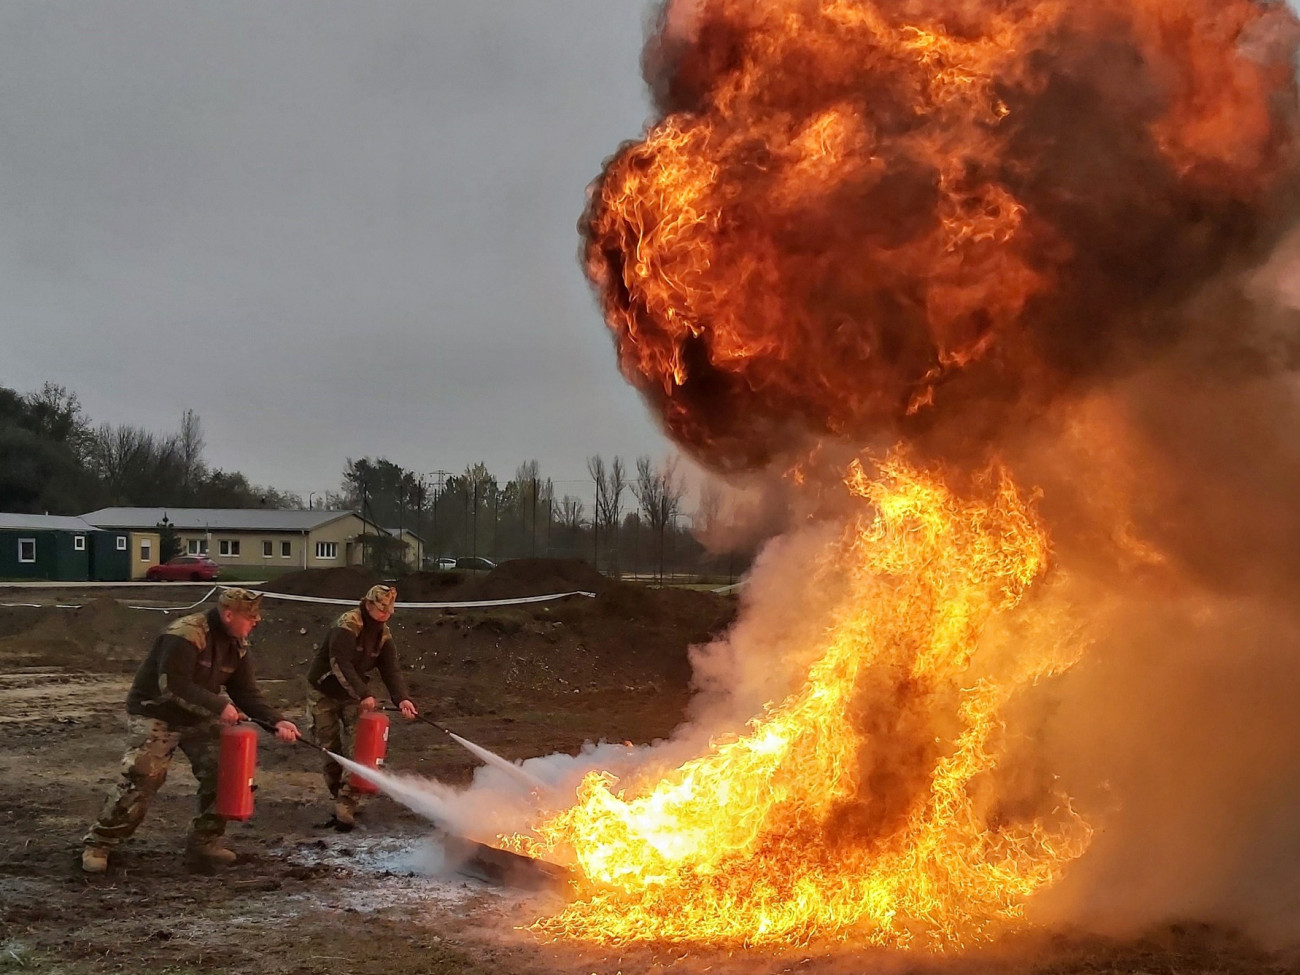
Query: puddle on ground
point(367, 874)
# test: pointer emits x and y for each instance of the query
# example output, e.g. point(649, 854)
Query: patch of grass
point(17, 957)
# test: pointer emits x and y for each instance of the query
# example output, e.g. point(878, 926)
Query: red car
point(186, 568)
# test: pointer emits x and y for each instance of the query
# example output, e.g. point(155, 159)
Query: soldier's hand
point(230, 714)
point(408, 710)
point(368, 704)
point(287, 731)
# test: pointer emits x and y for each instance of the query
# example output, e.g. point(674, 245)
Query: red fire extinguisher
point(372, 746)
point(236, 765)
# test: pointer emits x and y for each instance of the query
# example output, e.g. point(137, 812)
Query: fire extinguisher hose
point(418, 717)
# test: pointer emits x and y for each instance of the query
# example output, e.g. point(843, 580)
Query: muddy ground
point(306, 899)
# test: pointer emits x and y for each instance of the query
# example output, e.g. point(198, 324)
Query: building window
point(78, 543)
point(196, 546)
point(121, 543)
point(230, 547)
point(146, 551)
point(26, 550)
point(286, 549)
point(327, 550)
point(266, 550)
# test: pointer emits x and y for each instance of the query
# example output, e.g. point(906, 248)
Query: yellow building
point(252, 538)
point(145, 547)
point(413, 554)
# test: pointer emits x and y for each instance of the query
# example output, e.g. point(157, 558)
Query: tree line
point(627, 522)
point(55, 460)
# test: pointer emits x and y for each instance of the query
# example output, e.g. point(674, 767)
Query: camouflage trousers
point(144, 769)
point(334, 725)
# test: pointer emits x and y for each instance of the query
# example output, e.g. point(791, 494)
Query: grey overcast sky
point(331, 228)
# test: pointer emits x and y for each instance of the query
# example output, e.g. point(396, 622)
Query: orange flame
point(860, 804)
point(848, 206)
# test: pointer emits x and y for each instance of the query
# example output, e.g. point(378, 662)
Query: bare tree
point(613, 505)
point(529, 470)
point(135, 466)
point(480, 497)
point(569, 513)
point(659, 491)
point(527, 496)
point(333, 501)
point(610, 482)
point(190, 443)
point(708, 514)
point(596, 468)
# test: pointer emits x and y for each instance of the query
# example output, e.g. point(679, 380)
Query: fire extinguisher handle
point(303, 739)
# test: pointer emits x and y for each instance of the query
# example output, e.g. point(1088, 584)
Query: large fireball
point(854, 217)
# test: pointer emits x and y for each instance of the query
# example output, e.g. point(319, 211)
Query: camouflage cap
point(241, 601)
point(383, 598)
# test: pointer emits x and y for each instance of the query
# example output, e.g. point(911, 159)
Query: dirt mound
point(514, 579)
point(101, 632)
point(540, 577)
point(105, 620)
point(430, 587)
point(345, 583)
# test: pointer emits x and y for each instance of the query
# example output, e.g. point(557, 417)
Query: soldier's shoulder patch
point(193, 628)
point(350, 621)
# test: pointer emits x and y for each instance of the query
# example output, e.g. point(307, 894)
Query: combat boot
point(345, 815)
point(209, 851)
point(94, 859)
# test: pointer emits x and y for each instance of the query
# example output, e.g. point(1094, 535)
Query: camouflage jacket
point(354, 646)
point(189, 665)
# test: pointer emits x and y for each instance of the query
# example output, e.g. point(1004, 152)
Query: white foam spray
point(495, 760)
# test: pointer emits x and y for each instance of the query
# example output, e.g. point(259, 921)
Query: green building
point(47, 547)
point(110, 556)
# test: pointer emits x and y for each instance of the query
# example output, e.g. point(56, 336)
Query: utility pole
point(363, 520)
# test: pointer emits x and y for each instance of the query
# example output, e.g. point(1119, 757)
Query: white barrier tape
point(465, 604)
point(160, 609)
point(179, 609)
point(731, 588)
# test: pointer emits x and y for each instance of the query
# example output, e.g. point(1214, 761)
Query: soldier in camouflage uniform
point(176, 702)
point(357, 643)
